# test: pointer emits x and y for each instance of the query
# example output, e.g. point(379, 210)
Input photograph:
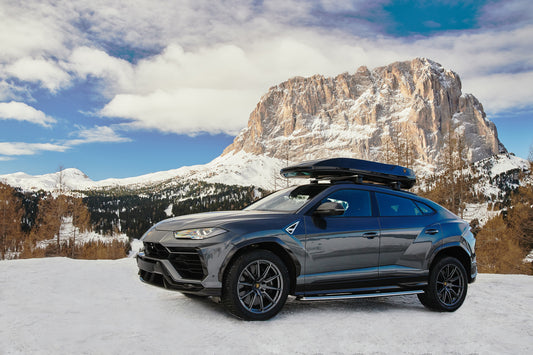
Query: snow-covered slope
point(232, 169)
point(64, 306)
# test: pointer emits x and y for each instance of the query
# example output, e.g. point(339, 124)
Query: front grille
point(187, 263)
point(155, 250)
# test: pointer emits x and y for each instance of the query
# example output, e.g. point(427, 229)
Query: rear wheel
point(447, 286)
point(256, 286)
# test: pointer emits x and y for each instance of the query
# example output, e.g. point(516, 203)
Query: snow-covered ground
point(64, 306)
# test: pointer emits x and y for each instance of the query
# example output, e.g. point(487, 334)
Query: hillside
point(112, 312)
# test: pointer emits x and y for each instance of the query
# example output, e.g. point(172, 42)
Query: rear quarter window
point(395, 206)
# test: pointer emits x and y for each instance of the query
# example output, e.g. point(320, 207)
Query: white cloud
point(87, 62)
point(21, 148)
point(500, 92)
point(48, 73)
point(98, 134)
point(212, 60)
point(20, 111)
point(508, 12)
point(185, 111)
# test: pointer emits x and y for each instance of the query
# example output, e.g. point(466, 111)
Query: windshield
point(288, 200)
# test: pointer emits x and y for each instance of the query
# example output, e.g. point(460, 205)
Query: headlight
point(200, 233)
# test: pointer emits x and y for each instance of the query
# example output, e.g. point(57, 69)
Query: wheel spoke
point(246, 271)
point(246, 295)
point(268, 296)
point(253, 301)
point(265, 273)
point(261, 301)
point(269, 280)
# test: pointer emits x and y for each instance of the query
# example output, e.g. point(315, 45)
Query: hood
point(213, 219)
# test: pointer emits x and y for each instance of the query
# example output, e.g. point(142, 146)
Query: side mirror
point(329, 209)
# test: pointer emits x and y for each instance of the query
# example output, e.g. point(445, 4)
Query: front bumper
point(163, 273)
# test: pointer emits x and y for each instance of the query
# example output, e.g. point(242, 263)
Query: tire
point(447, 286)
point(256, 286)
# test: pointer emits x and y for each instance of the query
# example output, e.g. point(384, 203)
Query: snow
point(232, 169)
point(506, 162)
point(67, 230)
point(64, 306)
point(479, 211)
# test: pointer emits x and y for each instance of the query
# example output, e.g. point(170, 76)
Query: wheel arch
point(274, 246)
point(456, 251)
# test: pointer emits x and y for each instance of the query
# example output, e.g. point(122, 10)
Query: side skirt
point(363, 295)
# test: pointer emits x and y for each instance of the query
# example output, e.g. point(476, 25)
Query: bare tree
point(11, 235)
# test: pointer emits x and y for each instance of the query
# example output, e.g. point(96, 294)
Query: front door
point(342, 251)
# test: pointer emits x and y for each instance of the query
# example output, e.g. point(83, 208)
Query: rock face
point(418, 102)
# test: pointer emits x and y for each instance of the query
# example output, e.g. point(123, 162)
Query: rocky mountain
point(362, 115)
point(414, 104)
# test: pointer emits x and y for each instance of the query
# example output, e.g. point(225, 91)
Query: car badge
point(290, 229)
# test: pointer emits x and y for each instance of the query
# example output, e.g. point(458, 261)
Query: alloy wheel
point(450, 285)
point(260, 286)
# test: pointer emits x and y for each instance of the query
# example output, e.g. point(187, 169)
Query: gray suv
point(352, 232)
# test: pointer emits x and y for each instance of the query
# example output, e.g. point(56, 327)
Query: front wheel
point(256, 286)
point(447, 286)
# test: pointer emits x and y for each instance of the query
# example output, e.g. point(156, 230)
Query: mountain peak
point(354, 115)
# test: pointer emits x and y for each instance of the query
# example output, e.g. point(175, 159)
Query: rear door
point(342, 251)
point(402, 221)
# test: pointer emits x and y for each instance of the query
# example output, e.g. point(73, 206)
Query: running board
point(365, 295)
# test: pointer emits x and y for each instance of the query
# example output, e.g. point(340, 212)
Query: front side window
point(288, 200)
point(392, 206)
point(356, 203)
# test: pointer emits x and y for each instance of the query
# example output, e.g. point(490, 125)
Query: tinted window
point(356, 203)
point(424, 208)
point(390, 205)
point(288, 200)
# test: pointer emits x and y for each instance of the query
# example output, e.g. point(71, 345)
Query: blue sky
point(119, 88)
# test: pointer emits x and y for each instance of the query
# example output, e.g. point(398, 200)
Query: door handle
point(432, 231)
point(370, 235)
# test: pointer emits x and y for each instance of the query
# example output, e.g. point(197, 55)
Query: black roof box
point(357, 169)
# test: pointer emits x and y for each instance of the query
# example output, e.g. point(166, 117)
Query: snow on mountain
point(238, 168)
point(403, 108)
point(65, 306)
point(407, 107)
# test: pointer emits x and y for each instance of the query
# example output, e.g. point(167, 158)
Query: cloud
point(86, 62)
point(193, 66)
point(98, 134)
point(513, 90)
point(19, 111)
point(46, 72)
point(508, 13)
point(184, 111)
point(21, 148)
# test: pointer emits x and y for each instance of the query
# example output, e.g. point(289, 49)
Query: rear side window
point(392, 206)
point(356, 203)
point(424, 208)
